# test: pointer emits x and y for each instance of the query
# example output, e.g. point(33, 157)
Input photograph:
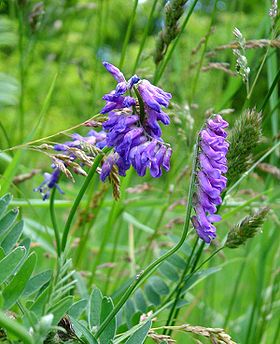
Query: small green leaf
point(77, 308)
point(129, 312)
point(87, 337)
point(167, 270)
point(141, 334)
point(36, 282)
point(15, 288)
point(60, 308)
point(159, 285)
point(4, 203)
point(110, 330)
point(82, 288)
point(140, 301)
point(190, 282)
point(177, 261)
point(7, 221)
point(152, 296)
point(39, 304)
point(11, 239)
point(9, 263)
point(94, 308)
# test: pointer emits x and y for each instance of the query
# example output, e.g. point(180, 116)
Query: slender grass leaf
point(11, 239)
point(9, 263)
point(2, 253)
point(141, 334)
point(77, 308)
point(7, 221)
point(140, 301)
point(15, 288)
point(86, 336)
point(94, 307)
point(110, 330)
point(60, 308)
point(131, 219)
point(9, 173)
point(37, 282)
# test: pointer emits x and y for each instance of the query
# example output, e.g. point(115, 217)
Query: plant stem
point(128, 33)
point(160, 69)
point(15, 328)
point(54, 222)
point(79, 197)
point(148, 271)
point(147, 27)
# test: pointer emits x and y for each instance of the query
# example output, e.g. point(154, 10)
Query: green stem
point(54, 222)
point(203, 52)
point(159, 71)
point(178, 288)
point(147, 27)
point(128, 33)
point(79, 197)
point(148, 271)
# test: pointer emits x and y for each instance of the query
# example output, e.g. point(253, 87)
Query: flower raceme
point(132, 130)
point(210, 180)
point(132, 126)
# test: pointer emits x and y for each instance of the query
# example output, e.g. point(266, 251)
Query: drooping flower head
point(211, 182)
point(133, 128)
point(72, 155)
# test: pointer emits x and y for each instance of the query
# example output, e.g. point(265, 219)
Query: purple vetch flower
point(50, 182)
point(135, 136)
point(212, 164)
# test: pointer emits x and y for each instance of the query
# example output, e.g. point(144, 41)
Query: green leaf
point(141, 334)
point(167, 270)
point(7, 221)
point(131, 219)
point(39, 304)
point(87, 337)
point(140, 301)
point(60, 308)
point(129, 312)
point(15, 288)
point(36, 282)
point(4, 203)
point(159, 286)
point(9, 263)
point(82, 288)
point(198, 277)
point(110, 330)
point(177, 261)
point(152, 296)
point(11, 239)
point(94, 308)
point(77, 308)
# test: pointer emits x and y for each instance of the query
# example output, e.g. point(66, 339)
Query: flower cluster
point(70, 150)
point(211, 182)
point(132, 126)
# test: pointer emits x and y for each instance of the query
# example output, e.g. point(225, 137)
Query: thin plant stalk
point(203, 52)
point(128, 33)
point(149, 270)
point(54, 222)
point(79, 197)
point(161, 68)
point(145, 35)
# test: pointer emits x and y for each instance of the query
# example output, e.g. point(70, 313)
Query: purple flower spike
point(136, 139)
point(50, 182)
point(211, 182)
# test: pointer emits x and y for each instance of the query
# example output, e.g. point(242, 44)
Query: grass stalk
point(149, 270)
point(54, 222)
